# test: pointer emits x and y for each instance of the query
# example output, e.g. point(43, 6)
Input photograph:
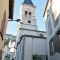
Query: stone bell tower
point(27, 15)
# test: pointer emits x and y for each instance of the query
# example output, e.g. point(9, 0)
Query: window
point(29, 21)
point(41, 35)
point(13, 59)
point(38, 57)
point(58, 40)
point(51, 47)
point(26, 12)
point(7, 57)
point(49, 28)
point(30, 13)
point(54, 45)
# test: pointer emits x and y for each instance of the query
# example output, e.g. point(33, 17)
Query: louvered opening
point(30, 13)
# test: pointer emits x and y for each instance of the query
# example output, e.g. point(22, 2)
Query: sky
point(12, 26)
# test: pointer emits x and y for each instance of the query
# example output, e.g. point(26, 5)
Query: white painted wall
point(40, 46)
point(33, 46)
point(27, 32)
point(55, 5)
point(28, 49)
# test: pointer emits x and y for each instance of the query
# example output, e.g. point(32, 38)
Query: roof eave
point(11, 9)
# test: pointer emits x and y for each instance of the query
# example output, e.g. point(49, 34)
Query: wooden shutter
point(50, 48)
point(55, 40)
point(55, 45)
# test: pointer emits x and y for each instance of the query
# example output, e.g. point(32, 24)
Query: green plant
point(6, 42)
point(36, 57)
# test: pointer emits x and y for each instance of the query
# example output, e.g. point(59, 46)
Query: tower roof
point(29, 2)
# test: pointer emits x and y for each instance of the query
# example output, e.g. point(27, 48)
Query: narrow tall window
point(51, 47)
point(30, 13)
point(26, 12)
point(49, 27)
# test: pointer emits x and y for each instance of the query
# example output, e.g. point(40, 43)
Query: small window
point(41, 35)
point(29, 13)
point(29, 21)
point(26, 12)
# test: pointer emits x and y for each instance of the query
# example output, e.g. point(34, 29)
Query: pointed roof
point(29, 2)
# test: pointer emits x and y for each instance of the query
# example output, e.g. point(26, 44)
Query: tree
point(6, 42)
point(36, 57)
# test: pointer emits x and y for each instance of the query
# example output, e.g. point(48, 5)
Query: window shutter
point(51, 46)
point(55, 40)
point(50, 49)
point(55, 43)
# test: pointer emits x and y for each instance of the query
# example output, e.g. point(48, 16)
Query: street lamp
point(15, 20)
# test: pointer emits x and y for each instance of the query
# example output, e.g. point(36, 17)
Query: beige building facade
point(6, 12)
point(52, 21)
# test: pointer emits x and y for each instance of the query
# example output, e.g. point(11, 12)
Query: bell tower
point(27, 15)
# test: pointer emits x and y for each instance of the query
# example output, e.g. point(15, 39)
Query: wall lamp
point(15, 20)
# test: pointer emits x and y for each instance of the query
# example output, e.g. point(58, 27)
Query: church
point(30, 41)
